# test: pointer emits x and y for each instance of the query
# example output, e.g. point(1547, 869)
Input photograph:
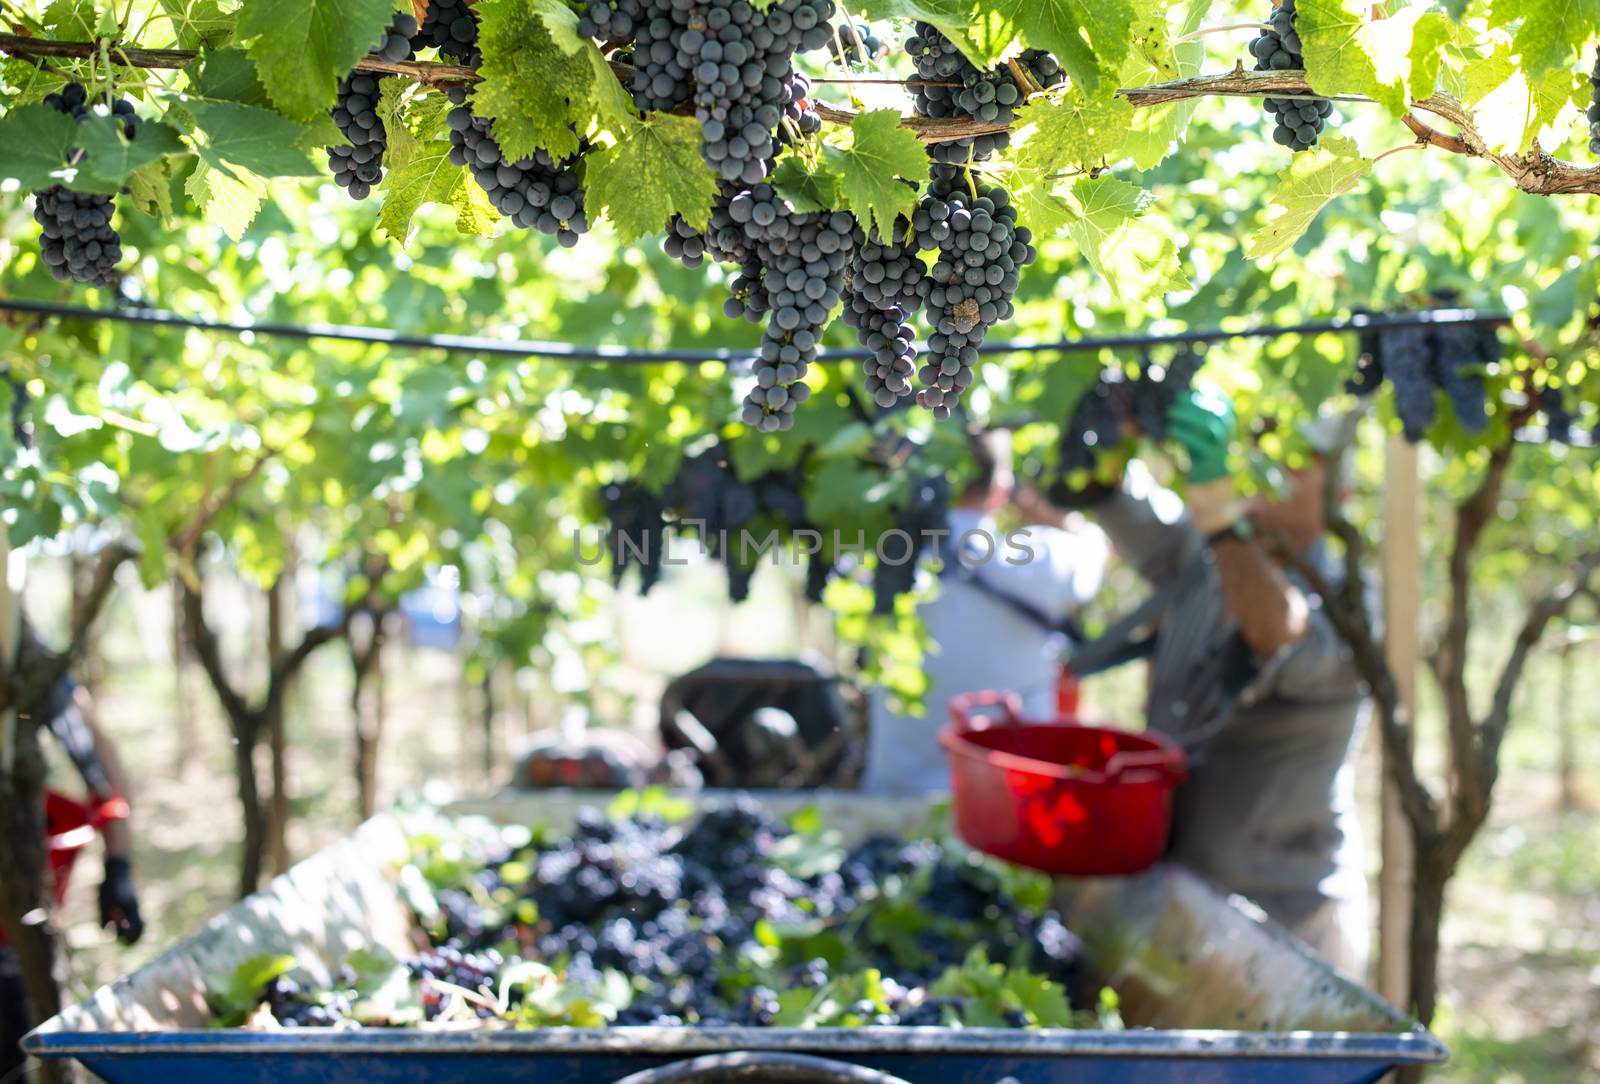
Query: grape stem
point(1029, 85)
point(1417, 146)
point(1229, 28)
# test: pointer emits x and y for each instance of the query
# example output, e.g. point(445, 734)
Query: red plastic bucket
point(1059, 796)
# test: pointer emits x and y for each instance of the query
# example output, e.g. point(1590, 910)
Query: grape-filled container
point(1211, 991)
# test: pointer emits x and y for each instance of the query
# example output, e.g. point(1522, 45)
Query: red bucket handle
point(1166, 761)
point(962, 708)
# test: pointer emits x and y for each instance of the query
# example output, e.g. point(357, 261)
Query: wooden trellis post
point(1402, 598)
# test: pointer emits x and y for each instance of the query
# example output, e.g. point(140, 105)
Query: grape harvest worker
point(997, 622)
point(71, 720)
point(1247, 669)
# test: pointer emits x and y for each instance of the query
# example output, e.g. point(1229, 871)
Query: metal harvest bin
point(1213, 994)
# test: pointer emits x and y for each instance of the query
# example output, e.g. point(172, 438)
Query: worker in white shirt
point(1000, 620)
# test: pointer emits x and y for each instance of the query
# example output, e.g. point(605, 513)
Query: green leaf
point(228, 201)
point(1511, 112)
point(984, 33)
point(258, 140)
point(1548, 33)
point(232, 999)
point(611, 99)
point(475, 215)
point(110, 157)
point(806, 190)
point(531, 90)
point(150, 189)
point(1313, 180)
point(1091, 38)
point(1391, 60)
point(302, 48)
point(426, 176)
point(873, 170)
point(1056, 134)
point(1154, 59)
point(1134, 251)
point(37, 139)
point(227, 75)
point(653, 172)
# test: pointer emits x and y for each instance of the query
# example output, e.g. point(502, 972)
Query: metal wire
point(617, 355)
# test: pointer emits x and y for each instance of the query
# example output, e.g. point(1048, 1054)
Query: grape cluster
point(77, 240)
point(982, 251)
point(1593, 112)
point(988, 97)
point(734, 64)
point(1452, 358)
point(358, 164)
point(801, 259)
point(638, 531)
point(1103, 414)
point(451, 28)
point(541, 192)
point(294, 1007)
point(1298, 121)
point(851, 40)
point(679, 910)
point(883, 290)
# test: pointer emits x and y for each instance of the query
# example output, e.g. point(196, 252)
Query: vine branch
point(1532, 171)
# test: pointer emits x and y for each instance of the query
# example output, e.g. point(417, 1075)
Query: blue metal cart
point(1219, 994)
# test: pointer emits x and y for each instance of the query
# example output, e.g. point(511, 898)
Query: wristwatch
point(1240, 530)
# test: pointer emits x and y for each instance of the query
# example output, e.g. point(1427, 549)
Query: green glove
point(1202, 421)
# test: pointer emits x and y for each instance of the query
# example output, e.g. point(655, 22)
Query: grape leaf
point(531, 90)
point(1349, 53)
point(302, 48)
point(653, 172)
point(1135, 252)
point(258, 140)
point(475, 215)
point(227, 75)
point(1549, 33)
point(872, 169)
point(110, 157)
point(1511, 113)
point(1313, 180)
point(1074, 130)
point(1091, 38)
point(806, 190)
point(227, 200)
point(150, 189)
point(37, 139)
point(611, 101)
point(198, 22)
point(1152, 131)
point(425, 176)
point(982, 33)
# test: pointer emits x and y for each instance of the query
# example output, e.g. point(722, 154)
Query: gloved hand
point(1202, 421)
point(119, 904)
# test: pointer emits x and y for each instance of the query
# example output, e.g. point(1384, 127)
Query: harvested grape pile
point(732, 919)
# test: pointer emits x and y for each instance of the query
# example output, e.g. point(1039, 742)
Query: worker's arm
point(116, 833)
point(72, 721)
point(1270, 611)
